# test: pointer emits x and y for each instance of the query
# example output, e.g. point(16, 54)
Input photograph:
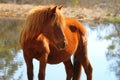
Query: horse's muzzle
point(62, 45)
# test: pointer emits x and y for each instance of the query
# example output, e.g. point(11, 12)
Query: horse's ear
point(54, 9)
point(59, 7)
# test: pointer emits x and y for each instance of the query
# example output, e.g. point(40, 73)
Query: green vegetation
point(9, 46)
point(75, 2)
point(113, 18)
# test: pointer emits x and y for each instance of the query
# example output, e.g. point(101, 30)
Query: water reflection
point(103, 48)
point(113, 53)
point(110, 34)
point(9, 33)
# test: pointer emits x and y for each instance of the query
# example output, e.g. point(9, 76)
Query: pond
point(103, 49)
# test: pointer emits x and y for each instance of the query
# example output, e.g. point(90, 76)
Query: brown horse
point(51, 38)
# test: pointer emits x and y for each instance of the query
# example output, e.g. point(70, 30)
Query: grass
point(20, 11)
point(113, 18)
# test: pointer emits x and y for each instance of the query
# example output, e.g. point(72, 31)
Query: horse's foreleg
point(41, 75)
point(44, 48)
point(43, 62)
point(69, 69)
point(29, 65)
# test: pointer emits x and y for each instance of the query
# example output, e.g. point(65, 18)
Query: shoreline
point(83, 14)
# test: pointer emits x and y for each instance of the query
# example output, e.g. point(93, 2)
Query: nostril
point(61, 45)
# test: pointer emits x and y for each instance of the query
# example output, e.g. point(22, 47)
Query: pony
point(51, 38)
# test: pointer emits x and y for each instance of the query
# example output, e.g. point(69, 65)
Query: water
point(103, 49)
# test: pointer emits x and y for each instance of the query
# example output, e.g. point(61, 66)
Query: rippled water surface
point(103, 49)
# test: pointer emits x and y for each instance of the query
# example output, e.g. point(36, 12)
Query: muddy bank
point(96, 14)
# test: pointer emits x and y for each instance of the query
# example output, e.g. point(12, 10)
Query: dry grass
point(13, 10)
point(84, 14)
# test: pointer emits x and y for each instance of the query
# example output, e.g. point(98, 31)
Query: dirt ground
point(83, 14)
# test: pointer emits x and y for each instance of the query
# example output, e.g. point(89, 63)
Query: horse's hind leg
point(69, 69)
point(86, 63)
point(77, 65)
point(29, 65)
point(81, 59)
point(87, 67)
point(77, 70)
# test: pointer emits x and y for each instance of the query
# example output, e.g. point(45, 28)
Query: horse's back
point(76, 24)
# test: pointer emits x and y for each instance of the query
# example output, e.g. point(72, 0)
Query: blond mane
point(35, 21)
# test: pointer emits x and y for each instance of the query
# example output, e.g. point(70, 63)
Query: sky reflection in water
point(97, 48)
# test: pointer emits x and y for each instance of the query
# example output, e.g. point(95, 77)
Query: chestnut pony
point(51, 38)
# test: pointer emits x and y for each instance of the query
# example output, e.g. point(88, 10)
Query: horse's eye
point(56, 24)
